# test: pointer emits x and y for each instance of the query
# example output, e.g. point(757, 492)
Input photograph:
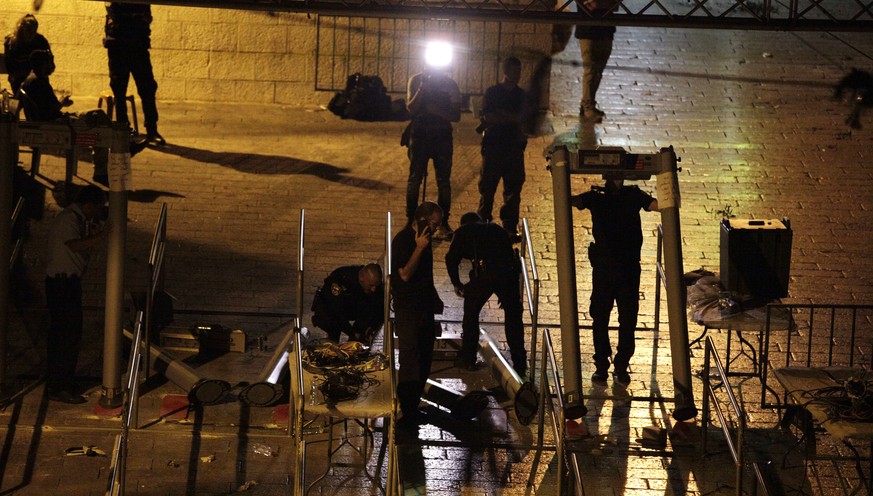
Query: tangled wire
point(851, 400)
point(345, 368)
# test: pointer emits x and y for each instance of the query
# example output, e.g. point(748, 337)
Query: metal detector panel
point(614, 162)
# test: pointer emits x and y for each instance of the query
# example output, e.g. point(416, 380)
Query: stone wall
point(203, 54)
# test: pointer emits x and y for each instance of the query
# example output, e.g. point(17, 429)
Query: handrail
point(735, 447)
point(295, 407)
point(118, 467)
point(16, 213)
point(391, 487)
point(531, 292)
point(155, 264)
point(556, 415)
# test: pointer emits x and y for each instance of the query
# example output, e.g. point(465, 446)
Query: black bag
point(364, 99)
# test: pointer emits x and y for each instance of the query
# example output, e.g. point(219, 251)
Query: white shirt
point(69, 224)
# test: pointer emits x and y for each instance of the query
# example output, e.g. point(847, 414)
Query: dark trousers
point(476, 294)
point(415, 333)
point(619, 282)
point(64, 300)
point(497, 164)
point(420, 152)
point(122, 64)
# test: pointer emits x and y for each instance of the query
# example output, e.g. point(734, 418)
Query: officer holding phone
point(415, 303)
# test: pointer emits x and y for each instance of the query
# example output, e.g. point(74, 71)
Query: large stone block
point(227, 65)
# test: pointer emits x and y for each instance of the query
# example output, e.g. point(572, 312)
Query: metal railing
point(156, 279)
point(531, 281)
point(736, 14)
point(118, 466)
point(736, 448)
point(818, 335)
point(550, 381)
point(16, 248)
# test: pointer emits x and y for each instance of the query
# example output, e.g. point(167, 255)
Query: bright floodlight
point(438, 54)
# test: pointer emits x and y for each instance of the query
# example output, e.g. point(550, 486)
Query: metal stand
point(266, 390)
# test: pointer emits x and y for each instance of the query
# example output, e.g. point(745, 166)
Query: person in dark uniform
point(42, 105)
point(495, 271)
point(17, 49)
point(73, 235)
point(128, 40)
point(350, 302)
point(615, 261)
point(503, 146)
point(434, 102)
point(415, 303)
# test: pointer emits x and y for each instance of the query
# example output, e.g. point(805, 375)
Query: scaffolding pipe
point(267, 389)
point(461, 406)
point(568, 304)
point(522, 394)
point(119, 169)
point(200, 391)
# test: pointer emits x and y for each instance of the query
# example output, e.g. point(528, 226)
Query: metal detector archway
point(567, 157)
point(67, 136)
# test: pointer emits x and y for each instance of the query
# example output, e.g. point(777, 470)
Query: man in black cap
point(615, 261)
point(495, 271)
point(350, 302)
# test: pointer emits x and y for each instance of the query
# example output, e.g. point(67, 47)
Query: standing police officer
point(495, 271)
point(350, 302)
point(503, 146)
point(127, 41)
point(615, 262)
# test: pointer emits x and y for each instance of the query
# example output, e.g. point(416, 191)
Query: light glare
point(438, 54)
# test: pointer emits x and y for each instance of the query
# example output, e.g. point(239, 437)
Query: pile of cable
point(345, 368)
point(851, 400)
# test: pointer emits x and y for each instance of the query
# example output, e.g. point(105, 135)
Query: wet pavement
point(751, 117)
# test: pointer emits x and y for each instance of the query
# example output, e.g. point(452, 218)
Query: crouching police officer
point(350, 302)
point(495, 271)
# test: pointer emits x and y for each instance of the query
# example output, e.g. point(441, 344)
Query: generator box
point(755, 257)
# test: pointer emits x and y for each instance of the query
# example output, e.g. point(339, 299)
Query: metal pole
point(119, 171)
point(523, 394)
point(573, 407)
point(8, 161)
point(668, 204)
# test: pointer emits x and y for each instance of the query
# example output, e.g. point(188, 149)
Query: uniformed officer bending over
point(615, 261)
point(495, 271)
point(350, 302)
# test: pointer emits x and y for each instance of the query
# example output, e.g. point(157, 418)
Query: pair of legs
point(476, 294)
point(136, 62)
point(506, 164)
point(64, 301)
point(415, 333)
point(595, 55)
point(614, 282)
point(420, 153)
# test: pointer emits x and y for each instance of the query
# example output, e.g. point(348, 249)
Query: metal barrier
point(735, 447)
point(118, 466)
point(156, 279)
point(16, 248)
point(531, 280)
point(819, 335)
point(549, 378)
